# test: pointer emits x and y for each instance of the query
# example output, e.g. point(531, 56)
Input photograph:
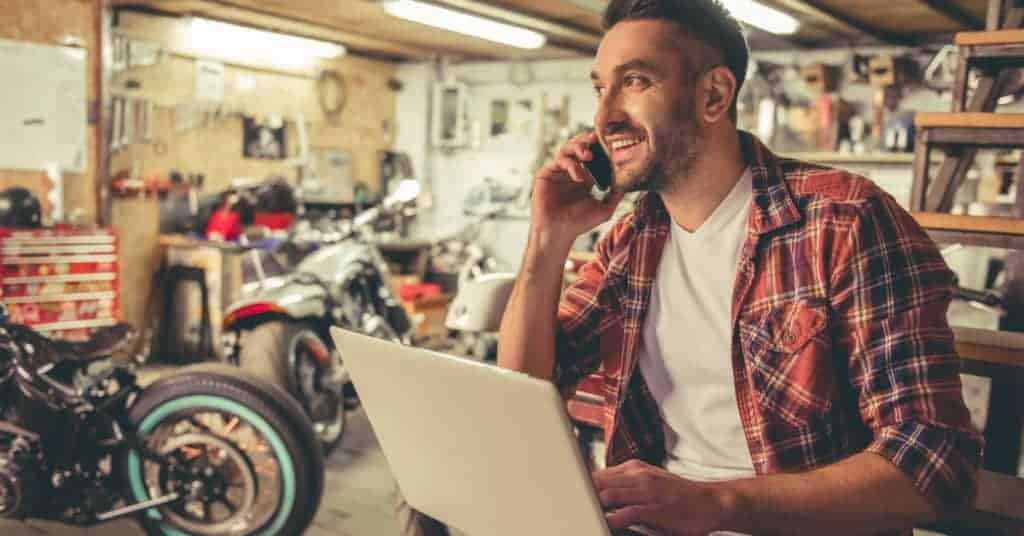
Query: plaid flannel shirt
point(840, 338)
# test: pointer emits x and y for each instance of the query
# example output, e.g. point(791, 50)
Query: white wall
point(508, 158)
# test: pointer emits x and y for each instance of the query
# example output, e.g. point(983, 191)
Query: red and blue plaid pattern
point(840, 338)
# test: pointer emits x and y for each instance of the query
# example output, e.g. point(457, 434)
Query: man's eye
point(598, 90)
point(634, 81)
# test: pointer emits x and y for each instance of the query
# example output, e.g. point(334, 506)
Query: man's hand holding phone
point(563, 207)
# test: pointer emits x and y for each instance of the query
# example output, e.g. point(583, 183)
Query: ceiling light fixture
point(233, 41)
point(763, 17)
point(457, 21)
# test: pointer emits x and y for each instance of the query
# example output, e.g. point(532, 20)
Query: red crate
point(61, 281)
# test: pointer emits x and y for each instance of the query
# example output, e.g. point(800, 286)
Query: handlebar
point(13, 342)
point(985, 297)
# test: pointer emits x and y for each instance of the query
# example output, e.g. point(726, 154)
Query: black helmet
point(19, 208)
point(276, 195)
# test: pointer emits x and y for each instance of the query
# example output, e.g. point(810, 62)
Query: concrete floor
point(357, 496)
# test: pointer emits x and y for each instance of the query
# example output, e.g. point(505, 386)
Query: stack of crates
point(61, 281)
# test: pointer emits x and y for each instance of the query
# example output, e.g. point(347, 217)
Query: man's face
point(646, 116)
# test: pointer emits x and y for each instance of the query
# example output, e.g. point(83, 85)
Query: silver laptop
point(488, 451)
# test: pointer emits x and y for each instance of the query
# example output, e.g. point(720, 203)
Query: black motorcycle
point(205, 450)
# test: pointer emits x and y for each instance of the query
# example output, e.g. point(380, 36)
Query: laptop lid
point(486, 450)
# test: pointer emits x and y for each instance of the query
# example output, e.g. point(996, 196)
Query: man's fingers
point(631, 515)
point(578, 147)
point(575, 170)
point(630, 466)
point(619, 476)
point(550, 172)
point(616, 498)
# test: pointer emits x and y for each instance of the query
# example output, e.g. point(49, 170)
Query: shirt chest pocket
point(788, 353)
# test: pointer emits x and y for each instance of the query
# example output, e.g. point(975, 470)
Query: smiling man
point(772, 334)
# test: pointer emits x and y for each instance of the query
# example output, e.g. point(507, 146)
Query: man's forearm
point(863, 494)
point(526, 341)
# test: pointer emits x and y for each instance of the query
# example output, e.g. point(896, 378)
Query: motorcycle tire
point(264, 352)
point(257, 403)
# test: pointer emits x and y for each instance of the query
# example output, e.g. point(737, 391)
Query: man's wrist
point(736, 504)
point(547, 243)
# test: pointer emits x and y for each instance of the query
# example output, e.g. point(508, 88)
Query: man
point(772, 334)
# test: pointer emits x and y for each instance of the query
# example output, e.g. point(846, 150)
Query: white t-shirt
point(686, 349)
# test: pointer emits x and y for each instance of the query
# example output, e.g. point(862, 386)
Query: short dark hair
point(707, 21)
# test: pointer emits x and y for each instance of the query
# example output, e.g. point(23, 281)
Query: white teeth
point(620, 144)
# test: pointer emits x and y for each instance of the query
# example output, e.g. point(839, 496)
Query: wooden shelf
point(995, 37)
point(968, 120)
point(988, 231)
point(853, 158)
point(894, 159)
point(1000, 494)
point(997, 347)
point(970, 224)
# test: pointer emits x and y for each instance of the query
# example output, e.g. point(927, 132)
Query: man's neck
point(692, 199)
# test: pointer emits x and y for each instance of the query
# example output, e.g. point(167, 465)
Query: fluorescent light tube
point(764, 17)
point(233, 41)
point(457, 21)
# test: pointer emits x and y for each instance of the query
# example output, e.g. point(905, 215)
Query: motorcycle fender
point(296, 301)
point(480, 304)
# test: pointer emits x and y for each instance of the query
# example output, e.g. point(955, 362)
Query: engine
point(20, 476)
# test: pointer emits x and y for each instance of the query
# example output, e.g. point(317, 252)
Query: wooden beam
point(96, 117)
point(229, 12)
point(810, 8)
point(956, 13)
point(995, 37)
point(564, 35)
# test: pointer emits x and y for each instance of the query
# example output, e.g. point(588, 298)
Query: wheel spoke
point(201, 426)
point(223, 499)
point(231, 424)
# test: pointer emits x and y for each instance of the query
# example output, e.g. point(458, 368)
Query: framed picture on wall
point(448, 128)
point(499, 117)
point(263, 139)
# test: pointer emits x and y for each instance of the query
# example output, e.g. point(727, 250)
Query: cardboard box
point(822, 78)
point(428, 315)
point(886, 70)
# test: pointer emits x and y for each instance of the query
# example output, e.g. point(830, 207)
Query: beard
point(684, 140)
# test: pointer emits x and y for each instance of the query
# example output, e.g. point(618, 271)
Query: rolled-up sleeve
point(891, 290)
point(584, 312)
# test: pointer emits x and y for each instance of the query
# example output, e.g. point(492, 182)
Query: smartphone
point(599, 166)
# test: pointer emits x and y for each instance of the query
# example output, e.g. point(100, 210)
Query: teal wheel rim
point(171, 407)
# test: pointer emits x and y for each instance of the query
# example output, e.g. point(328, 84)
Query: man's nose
point(609, 115)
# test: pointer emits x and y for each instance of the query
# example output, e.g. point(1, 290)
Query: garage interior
point(185, 152)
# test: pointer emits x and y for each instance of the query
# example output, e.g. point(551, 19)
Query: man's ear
point(719, 93)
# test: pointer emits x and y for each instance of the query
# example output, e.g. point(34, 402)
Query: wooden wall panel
point(137, 224)
point(47, 21)
point(366, 125)
point(58, 22)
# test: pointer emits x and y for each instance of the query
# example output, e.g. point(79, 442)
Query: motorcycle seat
point(104, 342)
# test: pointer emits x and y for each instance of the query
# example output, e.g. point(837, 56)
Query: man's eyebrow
point(642, 65)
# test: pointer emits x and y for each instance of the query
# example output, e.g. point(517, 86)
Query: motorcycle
point(481, 291)
point(279, 330)
point(207, 450)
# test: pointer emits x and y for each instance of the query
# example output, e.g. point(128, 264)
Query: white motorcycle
point(279, 330)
